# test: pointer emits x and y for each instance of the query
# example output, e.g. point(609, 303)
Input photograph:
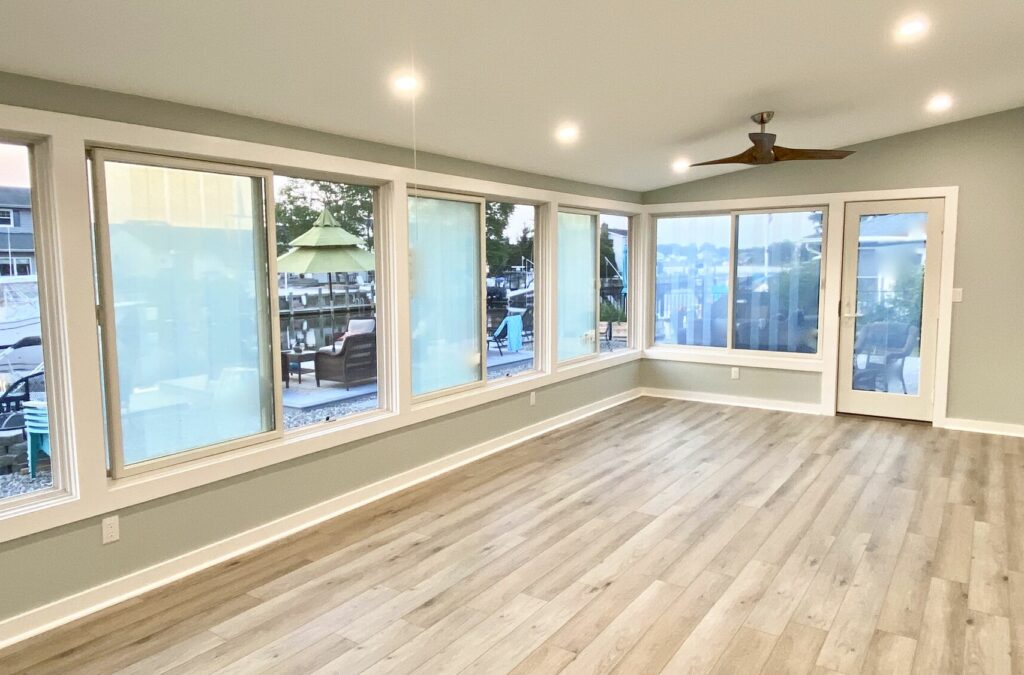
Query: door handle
point(852, 316)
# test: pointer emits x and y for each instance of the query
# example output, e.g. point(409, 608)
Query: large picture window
point(186, 307)
point(27, 455)
point(327, 299)
point(747, 280)
point(445, 279)
point(577, 285)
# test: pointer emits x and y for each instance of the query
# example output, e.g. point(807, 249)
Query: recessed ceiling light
point(939, 103)
point(567, 133)
point(406, 84)
point(911, 29)
point(681, 165)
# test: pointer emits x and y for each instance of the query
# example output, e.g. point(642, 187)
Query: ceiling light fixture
point(911, 29)
point(939, 103)
point(567, 133)
point(406, 84)
point(681, 165)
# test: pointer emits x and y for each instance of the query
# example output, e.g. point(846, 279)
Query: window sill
point(725, 357)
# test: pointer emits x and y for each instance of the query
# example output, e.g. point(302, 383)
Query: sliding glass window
point(445, 282)
point(327, 299)
point(510, 289)
point(577, 285)
point(185, 306)
point(745, 280)
point(692, 280)
point(29, 460)
point(778, 280)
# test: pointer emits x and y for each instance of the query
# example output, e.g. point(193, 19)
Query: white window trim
point(70, 303)
point(10, 217)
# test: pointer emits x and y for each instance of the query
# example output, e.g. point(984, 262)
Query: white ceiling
point(646, 81)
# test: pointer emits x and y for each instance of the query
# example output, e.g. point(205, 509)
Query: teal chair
point(37, 428)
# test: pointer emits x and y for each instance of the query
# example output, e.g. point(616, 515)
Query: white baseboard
point(81, 604)
point(982, 426)
point(741, 401)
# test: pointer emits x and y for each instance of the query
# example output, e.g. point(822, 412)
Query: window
point(756, 272)
point(445, 280)
point(613, 328)
point(185, 306)
point(510, 289)
point(778, 278)
point(327, 299)
point(6, 217)
point(15, 267)
point(577, 284)
point(692, 280)
point(27, 455)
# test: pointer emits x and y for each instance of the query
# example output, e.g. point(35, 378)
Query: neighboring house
point(17, 245)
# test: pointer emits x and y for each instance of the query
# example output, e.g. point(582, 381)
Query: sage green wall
point(32, 92)
point(50, 565)
point(780, 385)
point(984, 156)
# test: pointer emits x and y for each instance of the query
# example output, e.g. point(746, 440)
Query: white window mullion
point(730, 327)
point(68, 302)
point(548, 241)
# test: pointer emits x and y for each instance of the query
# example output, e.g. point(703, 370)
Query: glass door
point(890, 308)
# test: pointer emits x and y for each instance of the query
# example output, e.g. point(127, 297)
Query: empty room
point(477, 337)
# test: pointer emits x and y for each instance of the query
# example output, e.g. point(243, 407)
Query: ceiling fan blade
point(748, 156)
point(791, 154)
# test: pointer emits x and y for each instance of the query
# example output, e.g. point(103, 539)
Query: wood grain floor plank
point(658, 537)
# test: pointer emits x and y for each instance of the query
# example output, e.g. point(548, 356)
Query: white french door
point(889, 308)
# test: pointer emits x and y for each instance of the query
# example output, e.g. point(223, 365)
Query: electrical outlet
point(111, 529)
point(958, 295)
point(533, 398)
point(734, 373)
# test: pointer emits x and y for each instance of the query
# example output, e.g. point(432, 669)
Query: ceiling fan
point(764, 150)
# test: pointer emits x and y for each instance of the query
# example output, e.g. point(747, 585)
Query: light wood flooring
point(659, 536)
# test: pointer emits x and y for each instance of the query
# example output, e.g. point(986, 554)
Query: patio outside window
point(185, 302)
point(26, 456)
point(510, 289)
point(613, 327)
point(327, 299)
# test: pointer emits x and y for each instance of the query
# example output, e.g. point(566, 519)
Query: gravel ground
point(297, 417)
point(16, 484)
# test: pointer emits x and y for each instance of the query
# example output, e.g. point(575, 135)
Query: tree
point(500, 251)
point(300, 201)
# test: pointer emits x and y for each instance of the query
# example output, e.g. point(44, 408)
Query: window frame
point(10, 216)
point(730, 353)
point(595, 216)
point(118, 469)
point(425, 193)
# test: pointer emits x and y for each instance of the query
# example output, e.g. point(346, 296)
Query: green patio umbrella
point(325, 247)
